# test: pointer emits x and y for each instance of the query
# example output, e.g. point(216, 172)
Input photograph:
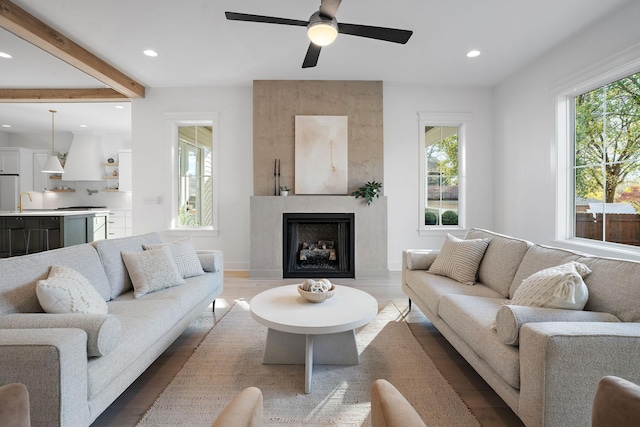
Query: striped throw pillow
point(459, 259)
point(184, 254)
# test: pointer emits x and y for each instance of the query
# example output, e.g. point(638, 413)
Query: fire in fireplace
point(318, 245)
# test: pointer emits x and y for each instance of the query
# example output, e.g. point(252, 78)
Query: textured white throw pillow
point(184, 254)
point(151, 270)
point(67, 291)
point(556, 287)
point(459, 259)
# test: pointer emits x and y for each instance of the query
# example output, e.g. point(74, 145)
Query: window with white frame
point(441, 186)
point(194, 180)
point(605, 127)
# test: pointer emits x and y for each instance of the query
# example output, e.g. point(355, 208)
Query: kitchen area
point(61, 186)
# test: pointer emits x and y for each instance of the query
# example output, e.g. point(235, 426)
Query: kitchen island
point(38, 230)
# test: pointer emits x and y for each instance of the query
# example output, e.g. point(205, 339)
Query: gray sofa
point(76, 365)
point(549, 373)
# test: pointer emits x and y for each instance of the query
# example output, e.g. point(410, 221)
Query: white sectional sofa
point(76, 365)
point(544, 362)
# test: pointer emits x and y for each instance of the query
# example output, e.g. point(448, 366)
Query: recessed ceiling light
point(120, 107)
point(150, 52)
point(5, 55)
point(6, 126)
point(83, 126)
point(473, 53)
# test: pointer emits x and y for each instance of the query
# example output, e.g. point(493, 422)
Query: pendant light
point(52, 164)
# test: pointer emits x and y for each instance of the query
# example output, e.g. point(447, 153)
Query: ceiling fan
point(322, 29)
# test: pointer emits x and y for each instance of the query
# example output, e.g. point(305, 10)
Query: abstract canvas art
point(321, 157)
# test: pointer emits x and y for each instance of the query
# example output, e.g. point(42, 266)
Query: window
point(194, 182)
point(195, 176)
point(606, 162)
point(441, 145)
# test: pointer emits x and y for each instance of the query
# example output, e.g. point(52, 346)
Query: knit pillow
point(556, 287)
point(67, 291)
point(459, 259)
point(185, 256)
point(151, 270)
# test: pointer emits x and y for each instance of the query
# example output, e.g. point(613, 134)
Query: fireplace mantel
point(266, 231)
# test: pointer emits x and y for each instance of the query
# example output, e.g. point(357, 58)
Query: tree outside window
point(607, 162)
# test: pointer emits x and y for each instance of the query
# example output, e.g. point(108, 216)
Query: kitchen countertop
point(50, 212)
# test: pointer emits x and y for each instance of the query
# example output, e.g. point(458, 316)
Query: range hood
point(84, 161)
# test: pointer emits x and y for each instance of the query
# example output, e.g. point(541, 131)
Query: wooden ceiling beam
point(61, 95)
point(26, 26)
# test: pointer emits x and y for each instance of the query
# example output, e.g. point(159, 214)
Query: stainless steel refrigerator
point(9, 192)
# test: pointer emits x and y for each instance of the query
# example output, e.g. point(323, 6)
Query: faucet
point(91, 191)
point(20, 199)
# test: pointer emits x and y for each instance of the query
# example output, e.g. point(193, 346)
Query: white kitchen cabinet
point(10, 161)
point(18, 161)
point(126, 170)
point(120, 223)
point(40, 179)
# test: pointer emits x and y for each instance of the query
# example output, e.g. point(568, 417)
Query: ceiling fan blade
point(234, 16)
point(311, 59)
point(329, 8)
point(379, 33)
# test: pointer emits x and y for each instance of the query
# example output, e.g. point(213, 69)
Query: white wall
point(151, 163)
point(401, 160)
point(525, 113)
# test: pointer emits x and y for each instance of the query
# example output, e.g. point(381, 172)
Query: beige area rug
point(230, 359)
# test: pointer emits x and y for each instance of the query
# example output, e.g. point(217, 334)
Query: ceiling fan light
point(322, 33)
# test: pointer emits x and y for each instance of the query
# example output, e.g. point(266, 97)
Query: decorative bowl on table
point(316, 290)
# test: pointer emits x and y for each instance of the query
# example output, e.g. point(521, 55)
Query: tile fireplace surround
point(266, 231)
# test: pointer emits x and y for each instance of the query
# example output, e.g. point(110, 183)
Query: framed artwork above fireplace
point(321, 155)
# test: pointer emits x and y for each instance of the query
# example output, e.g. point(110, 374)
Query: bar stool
point(10, 238)
point(44, 234)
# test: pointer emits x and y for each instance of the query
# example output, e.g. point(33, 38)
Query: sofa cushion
point(430, 288)
point(144, 322)
point(103, 330)
point(538, 258)
point(510, 318)
point(152, 270)
point(555, 287)
point(184, 255)
point(501, 259)
point(472, 318)
point(613, 287)
point(21, 274)
point(459, 259)
point(109, 251)
point(67, 291)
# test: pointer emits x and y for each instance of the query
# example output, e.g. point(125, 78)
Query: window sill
point(599, 249)
point(442, 231)
point(187, 232)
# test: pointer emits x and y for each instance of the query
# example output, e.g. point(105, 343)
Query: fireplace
point(318, 245)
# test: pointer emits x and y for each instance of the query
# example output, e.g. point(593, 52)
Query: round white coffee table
point(302, 332)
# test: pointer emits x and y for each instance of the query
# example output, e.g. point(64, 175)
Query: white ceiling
point(197, 46)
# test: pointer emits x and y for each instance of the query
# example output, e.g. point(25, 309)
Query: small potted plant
point(284, 190)
point(368, 191)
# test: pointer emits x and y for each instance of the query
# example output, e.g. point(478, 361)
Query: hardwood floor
point(479, 397)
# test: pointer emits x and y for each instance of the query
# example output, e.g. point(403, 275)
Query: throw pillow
point(459, 259)
point(67, 291)
point(185, 256)
point(556, 287)
point(151, 270)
